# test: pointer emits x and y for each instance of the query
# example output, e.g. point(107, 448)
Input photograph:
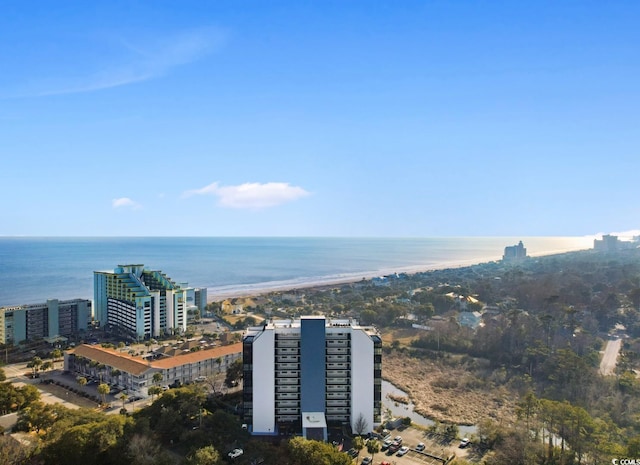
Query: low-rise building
point(136, 374)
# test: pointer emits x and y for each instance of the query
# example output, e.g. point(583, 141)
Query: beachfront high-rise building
point(514, 252)
point(48, 320)
point(139, 302)
point(301, 376)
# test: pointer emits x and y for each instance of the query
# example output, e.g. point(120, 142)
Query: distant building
point(327, 372)
point(196, 301)
point(42, 321)
point(136, 374)
point(139, 302)
point(514, 252)
point(608, 243)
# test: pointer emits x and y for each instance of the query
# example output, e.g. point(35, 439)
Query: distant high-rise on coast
point(514, 252)
point(49, 321)
point(143, 303)
point(327, 372)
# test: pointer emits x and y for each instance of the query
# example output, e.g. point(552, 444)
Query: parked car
point(352, 453)
point(393, 448)
point(403, 450)
point(398, 439)
point(235, 453)
point(386, 444)
point(420, 446)
point(367, 461)
point(464, 443)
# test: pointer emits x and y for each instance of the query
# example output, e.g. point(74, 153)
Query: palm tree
point(82, 381)
point(358, 443)
point(55, 355)
point(115, 373)
point(123, 398)
point(373, 447)
point(103, 390)
point(101, 367)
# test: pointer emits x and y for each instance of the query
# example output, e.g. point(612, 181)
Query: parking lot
point(437, 449)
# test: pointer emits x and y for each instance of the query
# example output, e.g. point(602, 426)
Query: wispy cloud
point(251, 195)
point(125, 202)
point(135, 61)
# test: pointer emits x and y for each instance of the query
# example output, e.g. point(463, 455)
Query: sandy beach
point(217, 294)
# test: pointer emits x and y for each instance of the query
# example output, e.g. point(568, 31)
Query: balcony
point(338, 388)
point(287, 389)
point(337, 350)
point(287, 366)
point(287, 411)
point(287, 404)
point(338, 381)
point(287, 382)
point(343, 405)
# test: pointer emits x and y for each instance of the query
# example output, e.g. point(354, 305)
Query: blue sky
point(302, 118)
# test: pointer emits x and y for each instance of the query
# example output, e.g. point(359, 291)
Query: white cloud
point(125, 202)
point(135, 61)
point(251, 195)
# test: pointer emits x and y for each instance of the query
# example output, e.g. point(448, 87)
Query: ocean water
point(34, 269)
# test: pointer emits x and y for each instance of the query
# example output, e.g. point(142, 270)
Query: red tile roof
point(137, 365)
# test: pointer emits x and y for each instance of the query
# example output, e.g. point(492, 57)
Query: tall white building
point(301, 376)
point(139, 302)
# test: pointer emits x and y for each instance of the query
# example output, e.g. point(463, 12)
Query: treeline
point(182, 427)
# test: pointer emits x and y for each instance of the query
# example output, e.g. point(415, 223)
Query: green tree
point(234, 372)
point(123, 398)
point(373, 447)
point(103, 390)
point(86, 437)
point(303, 452)
point(37, 416)
point(154, 391)
point(56, 354)
point(157, 377)
point(35, 364)
point(204, 456)
point(358, 443)
point(48, 365)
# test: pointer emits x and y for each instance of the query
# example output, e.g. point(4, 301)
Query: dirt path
point(610, 357)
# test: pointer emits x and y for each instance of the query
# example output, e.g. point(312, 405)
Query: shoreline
point(219, 294)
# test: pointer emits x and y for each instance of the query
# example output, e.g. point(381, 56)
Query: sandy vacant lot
point(447, 394)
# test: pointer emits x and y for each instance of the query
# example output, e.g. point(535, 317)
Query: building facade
point(47, 320)
point(301, 376)
point(515, 252)
point(135, 374)
point(139, 302)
